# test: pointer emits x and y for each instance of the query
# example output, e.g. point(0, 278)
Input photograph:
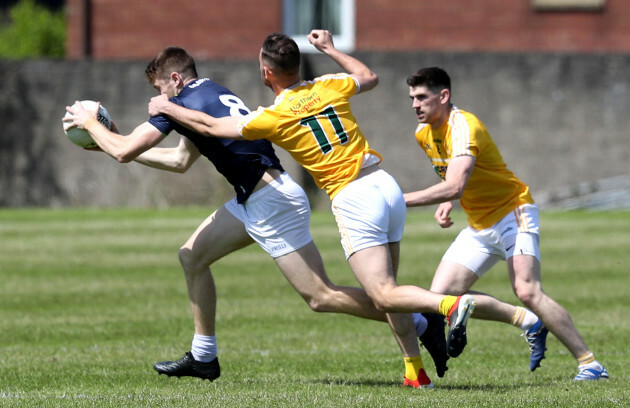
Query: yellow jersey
point(492, 190)
point(312, 120)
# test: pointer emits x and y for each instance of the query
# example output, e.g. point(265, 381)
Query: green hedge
point(33, 31)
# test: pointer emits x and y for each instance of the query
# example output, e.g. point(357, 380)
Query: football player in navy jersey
point(263, 192)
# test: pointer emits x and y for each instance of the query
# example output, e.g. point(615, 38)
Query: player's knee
point(189, 262)
point(382, 302)
point(319, 302)
point(184, 257)
point(529, 296)
point(316, 305)
point(382, 306)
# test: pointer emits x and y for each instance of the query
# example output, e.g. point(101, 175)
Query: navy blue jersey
point(241, 162)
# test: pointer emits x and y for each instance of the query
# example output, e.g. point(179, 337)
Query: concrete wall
point(559, 120)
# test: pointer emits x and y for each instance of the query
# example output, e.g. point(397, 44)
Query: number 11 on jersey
point(318, 131)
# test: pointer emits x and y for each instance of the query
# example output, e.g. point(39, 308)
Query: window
point(337, 16)
point(561, 5)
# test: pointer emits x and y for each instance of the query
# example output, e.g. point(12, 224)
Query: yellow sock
point(518, 316)
point(412, 367)
point(446, 304)
point(586, 358)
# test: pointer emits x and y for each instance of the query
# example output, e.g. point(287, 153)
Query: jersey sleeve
point(259, 124)
point(343, 83)
point(420, 136)
point(162, 123)
point(463, 136)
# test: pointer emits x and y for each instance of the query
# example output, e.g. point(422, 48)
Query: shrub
point(33, 32)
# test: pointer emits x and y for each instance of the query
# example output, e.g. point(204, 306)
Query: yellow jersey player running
point(314, 123)
point(502, 218)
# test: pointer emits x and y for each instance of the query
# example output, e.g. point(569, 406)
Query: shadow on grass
point(447, 387)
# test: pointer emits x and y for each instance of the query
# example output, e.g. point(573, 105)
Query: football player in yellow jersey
point(313, 121)
point(502, 218)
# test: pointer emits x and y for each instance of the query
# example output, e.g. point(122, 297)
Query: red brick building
point(234, 29)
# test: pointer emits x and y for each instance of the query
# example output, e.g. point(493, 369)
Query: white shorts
point(516, 234)
point(277, 216)
point(370, 211)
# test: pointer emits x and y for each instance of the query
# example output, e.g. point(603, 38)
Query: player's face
point(166, 87)
point(431, 108)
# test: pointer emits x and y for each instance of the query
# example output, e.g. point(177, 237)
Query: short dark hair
point(281, 53)
point(171, 59)
point(434, 78)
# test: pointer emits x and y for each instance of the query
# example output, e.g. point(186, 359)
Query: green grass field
point(90, 299)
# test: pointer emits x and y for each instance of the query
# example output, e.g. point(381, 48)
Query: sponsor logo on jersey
point(198, 82)
point(440, 170)
point(305, 103)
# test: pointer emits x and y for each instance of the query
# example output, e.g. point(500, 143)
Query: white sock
point(529, 320)
point(595, 365)
point(204, 348)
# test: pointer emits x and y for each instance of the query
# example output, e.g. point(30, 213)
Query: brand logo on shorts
point(278, 247)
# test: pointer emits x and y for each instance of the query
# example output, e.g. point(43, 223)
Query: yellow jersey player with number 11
point(313, 122)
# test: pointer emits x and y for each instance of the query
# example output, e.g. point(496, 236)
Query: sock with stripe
point(523, 318)
point(587, 360)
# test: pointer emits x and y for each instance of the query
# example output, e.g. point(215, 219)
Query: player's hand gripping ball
point(81, 137)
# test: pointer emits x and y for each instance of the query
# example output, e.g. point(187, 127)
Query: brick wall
point(490, 25)
point(234, 29)
point(139, 29)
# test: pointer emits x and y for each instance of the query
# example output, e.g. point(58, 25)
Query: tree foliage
point(33, 31)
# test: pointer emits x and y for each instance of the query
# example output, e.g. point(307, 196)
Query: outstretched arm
point(197, 121)
point(322, 40)
point(122, 148)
